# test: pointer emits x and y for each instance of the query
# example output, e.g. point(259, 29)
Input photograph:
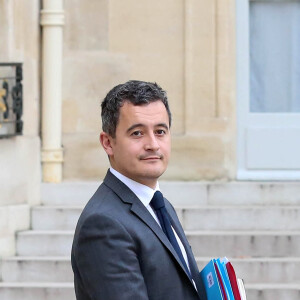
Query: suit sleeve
point(107, 261)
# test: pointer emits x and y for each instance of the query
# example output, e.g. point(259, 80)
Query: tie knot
point(157, 201)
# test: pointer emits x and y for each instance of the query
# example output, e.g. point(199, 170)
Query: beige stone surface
point(84, 157)
point(226, 87)
point(185, 46)
point(200, 69)
point(193, 158)
point(4, 34)
point(151, 33)
point(88, 76)
point(22, 45)
point(226, 56)
point(197, 158)
point(86, 24)
point(7, 245)
point(188, 47)
point(20, 174)
point(14, 217)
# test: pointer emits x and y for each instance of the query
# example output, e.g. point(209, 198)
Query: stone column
point(52, 21)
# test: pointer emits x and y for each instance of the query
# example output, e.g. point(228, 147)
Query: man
point(128, 243)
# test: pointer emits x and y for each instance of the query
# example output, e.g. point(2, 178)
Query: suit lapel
point(127, 196)
point(192, 262)
point(146, 217)
point(181, 235)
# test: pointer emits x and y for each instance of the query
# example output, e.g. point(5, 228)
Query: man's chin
point(154, 173)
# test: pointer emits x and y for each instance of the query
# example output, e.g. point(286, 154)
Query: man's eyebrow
point(163, 125)
point(142, 125)
point(135, 126)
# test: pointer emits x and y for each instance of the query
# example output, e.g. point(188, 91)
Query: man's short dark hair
point(135, 92)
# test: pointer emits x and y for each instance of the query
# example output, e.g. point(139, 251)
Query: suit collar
point(124, 193)
point(143, 192)
point(127, 196)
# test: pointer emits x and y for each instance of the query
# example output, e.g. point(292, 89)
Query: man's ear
point(106, 140)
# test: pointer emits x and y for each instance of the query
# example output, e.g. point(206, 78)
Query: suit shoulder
point(104, 202)
point(96, 202)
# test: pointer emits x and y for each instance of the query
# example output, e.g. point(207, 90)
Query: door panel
point(273, 148)
point(268, 89)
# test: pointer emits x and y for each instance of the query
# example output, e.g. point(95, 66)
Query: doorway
point(268, 89)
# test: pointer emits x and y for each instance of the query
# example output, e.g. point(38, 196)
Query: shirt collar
point(143, 192)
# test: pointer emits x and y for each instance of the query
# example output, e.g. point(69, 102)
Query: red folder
point(233, 282)
point(221, 282)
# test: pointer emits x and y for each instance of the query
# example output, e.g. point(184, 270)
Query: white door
point(268, 89)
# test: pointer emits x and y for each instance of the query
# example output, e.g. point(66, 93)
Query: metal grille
point(11, 99)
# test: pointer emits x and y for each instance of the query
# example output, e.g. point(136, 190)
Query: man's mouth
point(151, 157)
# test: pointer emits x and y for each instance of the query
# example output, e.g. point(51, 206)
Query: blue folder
point(211, 282)
point(216, 281)
point(225, 279)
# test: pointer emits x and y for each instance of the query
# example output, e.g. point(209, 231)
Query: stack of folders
point(221, 282)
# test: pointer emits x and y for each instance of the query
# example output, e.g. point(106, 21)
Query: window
point(274, 42)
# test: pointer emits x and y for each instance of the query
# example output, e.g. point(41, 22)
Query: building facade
point(199, 51)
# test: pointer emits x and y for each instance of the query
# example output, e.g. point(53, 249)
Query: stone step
point(272, 291)
point(44, 243)
point(63, 291)
point(204, 243)
point(242, 218)
point(67, 193)
point(187, 193)
point(196, 218)
point(55, 218)
point(245, 244)
point(36, 291)
point(36, 269)
point(51, 269)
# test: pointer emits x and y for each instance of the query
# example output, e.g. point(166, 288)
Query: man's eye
point(136, 133)
point(160, 132)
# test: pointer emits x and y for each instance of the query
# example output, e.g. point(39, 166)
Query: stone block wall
point(20, 174)
point(185, 46)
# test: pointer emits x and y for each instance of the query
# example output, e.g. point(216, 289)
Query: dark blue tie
point(158, 204)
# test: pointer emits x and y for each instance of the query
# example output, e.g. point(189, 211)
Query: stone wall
point(185, 46)
point(20, 156)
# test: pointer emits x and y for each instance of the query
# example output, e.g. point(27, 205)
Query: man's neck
point(151, 184)
point(125, 179)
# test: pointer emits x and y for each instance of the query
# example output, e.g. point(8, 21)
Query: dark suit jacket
point(119, 252)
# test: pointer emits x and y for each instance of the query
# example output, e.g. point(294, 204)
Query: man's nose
point(151, 143)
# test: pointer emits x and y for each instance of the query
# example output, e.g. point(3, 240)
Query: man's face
point(141, 147)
